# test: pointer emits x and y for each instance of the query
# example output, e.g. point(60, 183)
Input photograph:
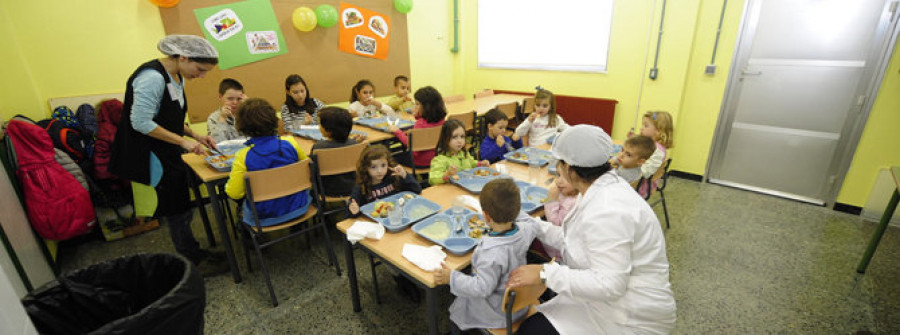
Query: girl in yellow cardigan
point(451, 156)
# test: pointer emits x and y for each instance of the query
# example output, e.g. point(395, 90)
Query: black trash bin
point(139, 294)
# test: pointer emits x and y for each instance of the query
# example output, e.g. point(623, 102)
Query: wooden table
point(390, 247)
point(882, 225)
point(213, 178)
point(482, 105)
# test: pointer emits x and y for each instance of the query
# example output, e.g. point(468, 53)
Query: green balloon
point(403, 6)
point(326, 15)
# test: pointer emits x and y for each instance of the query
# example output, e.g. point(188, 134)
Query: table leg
point(223, 231)
point(431, 301)
point(879, 232)
point(351, 273)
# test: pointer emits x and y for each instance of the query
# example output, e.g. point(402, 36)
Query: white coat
point(616, 276)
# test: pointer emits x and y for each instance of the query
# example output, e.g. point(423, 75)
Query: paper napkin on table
point(362, 229)
point(469, 201)
point(309, 127)
point(426, 258)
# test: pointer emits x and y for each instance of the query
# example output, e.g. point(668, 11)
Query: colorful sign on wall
point(243, 32)
point(364, 32)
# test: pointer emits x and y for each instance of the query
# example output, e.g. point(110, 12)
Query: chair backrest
point(467, 119)
point(509, 109)
point(528, 105)
point(278, 182)
point(336, 161)
point(484, 93)
point(522, 297)
point(454, 98)
point(663, 176)
point(421, 139)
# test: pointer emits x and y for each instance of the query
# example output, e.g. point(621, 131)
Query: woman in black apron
point(151, 138)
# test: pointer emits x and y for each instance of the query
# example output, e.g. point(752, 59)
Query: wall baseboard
point(686, 175)
point(841, 207)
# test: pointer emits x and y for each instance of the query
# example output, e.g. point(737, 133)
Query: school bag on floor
point(58, 207)
point(66, 139)
point(87, 119)
point(108, 116)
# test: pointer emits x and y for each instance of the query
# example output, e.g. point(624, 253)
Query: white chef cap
point(583, 145)
point(190, 46)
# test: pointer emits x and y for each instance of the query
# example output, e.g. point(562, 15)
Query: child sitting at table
point(298, 104)
point(401, 101)
point(377, 177)
point(363, 102)
point(635, 152)
point(560, 200)
point(451, 156)
point(543, 122)
point(220, 124)
point(335, 123)
point(479, 296)
point(265, 150)
point(496, 144)
point(659, 127)
point(429, 111)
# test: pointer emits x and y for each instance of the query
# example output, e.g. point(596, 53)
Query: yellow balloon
point(304, 19)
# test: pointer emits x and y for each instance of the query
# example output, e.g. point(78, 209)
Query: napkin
point(468, 201)
point(309, 127)
point(362, 229)
point(426, 258)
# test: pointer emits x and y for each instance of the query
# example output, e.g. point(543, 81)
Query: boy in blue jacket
point(496, 144)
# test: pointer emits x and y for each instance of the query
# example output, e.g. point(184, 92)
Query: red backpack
point(58, 207)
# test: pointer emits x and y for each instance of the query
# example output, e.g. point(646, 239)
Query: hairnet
point(583, 145)
point(190, 46)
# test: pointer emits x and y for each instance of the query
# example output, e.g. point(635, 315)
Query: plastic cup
point(395, 216)
point(534, 168)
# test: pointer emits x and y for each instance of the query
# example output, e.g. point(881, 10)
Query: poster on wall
point(364, 32)
point(243, 32)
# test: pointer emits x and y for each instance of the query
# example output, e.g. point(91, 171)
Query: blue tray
point(229, 150)
point(316, 134)
point(380, 123)
point(533, 197)
point(457, 243)
point(471, 182)
point(516, 156)
point(410, 205)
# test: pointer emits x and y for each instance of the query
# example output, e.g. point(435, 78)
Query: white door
point(800, 80)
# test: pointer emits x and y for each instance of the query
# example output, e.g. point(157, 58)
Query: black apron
point(131, 149)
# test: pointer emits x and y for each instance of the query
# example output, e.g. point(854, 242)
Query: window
point(560, 35)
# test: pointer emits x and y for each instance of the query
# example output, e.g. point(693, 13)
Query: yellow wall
point(98, 52)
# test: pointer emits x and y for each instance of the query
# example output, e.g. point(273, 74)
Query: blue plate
point(316, 134)
point(533, 197)
point(522, 155)
point(454, 241)
point(380, 123)
point(414, 209)
point(229, 149)
point(471, 181)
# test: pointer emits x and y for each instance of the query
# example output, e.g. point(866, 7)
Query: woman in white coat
point(616, 276)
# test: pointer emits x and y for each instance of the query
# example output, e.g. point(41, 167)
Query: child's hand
point(308, 119)
point(484, 163)
point(501, 141)
point(354, 207)
point(553, 193)
point(393, 129)
point(407, 98)
point(442, 275)
point(614, 163)
point(226, 113)
point(532, 117)
point(515, 137)
point(451, 171)
point(399, 171)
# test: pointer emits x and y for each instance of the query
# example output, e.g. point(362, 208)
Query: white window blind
point(561, 35)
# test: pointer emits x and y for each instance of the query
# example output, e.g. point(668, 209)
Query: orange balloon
point(165, 3)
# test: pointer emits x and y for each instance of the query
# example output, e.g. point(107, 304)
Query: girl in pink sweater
point(429, 112)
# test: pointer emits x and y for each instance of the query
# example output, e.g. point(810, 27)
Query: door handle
point(750, 73)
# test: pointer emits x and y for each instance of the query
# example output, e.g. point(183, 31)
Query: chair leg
point(662, 198)
point(374, 278)
point(265, 271)
point(331, 254)
point(245, 239)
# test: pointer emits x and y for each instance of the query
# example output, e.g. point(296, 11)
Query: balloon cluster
point(326, 16)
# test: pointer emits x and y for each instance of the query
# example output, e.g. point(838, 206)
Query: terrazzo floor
point(741, 262)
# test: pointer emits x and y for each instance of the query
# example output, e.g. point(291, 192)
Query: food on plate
point(475, 233)
point(438, 231)
point(519, 155)
point(544, 200)
point(220, 158)
point(381, 209)
point(408, 196)
point(455, 177)
point(383, 125)
point(358, 137)
point(418, 212)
